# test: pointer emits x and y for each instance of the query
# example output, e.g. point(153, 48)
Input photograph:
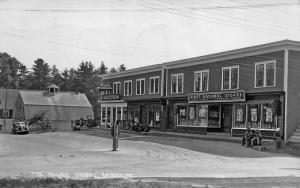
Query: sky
point(139, 32)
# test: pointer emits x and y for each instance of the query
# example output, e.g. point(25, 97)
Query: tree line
point(84, 79)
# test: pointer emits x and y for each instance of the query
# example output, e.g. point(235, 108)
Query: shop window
point(230, 78)
point(140, 86)
point(240, 116)
point(128, 88)
point(268, 116)
point(201, 81)
point(265, 74)
point(154, 85)
point(177, 83)
point(214, 116)
point(192, 115)
point(116, 87)
point(203, 115)
point(254, 113)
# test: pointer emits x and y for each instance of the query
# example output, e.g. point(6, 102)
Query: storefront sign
point(110, 97)
point(230, 96)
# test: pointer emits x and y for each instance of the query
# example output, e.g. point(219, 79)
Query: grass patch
point(91, 183)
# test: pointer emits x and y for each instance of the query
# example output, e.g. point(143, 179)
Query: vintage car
point(20, 127)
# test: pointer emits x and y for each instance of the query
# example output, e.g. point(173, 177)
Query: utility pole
point(5, 106)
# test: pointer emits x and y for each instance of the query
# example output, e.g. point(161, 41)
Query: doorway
point(227, 118)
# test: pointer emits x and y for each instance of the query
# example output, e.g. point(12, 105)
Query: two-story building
point(254, 87)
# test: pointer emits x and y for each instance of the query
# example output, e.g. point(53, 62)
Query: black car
point(20, 127)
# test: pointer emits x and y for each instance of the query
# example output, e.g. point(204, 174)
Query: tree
point(122, 68)
point(24, 77)
point(9, 67)
point(41, 74)
point(55, 76)
point(102, 69)
point(112, 70)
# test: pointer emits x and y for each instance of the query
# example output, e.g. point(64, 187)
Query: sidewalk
point(211, 136)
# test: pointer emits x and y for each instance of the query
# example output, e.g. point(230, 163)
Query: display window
point(240, 115)
point(260, 115)
point(192, 120)
point(203, 115)
point(269, 116)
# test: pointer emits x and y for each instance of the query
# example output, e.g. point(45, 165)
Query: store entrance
point(227, 118)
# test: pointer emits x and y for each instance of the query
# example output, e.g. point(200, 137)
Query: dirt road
point(70, 154)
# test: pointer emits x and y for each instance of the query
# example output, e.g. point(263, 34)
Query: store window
point(154, 85)
point(128, 88)
point(140, 86)
point(240, 116)
point(268, 116)
point(177, 83)
point(254, 114)
point(116, 87)
point(214, 116)
point(192, 115)
point(203, 115)
point(265, 74)
point(230, 78)
point(201, 81)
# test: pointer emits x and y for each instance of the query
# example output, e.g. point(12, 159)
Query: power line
point(237, 18)
point(206, 18)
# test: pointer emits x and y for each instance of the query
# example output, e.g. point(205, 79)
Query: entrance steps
point(295, 137)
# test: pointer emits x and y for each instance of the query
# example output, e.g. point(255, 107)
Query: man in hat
point(277, 138)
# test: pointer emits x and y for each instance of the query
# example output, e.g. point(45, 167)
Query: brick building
point(254, 87)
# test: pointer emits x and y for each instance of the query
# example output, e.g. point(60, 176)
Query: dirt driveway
point(69, 154)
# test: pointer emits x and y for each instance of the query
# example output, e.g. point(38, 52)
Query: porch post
point(122, 111)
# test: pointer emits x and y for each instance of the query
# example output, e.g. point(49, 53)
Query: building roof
point(53, 86)
point(43, 98)
point(12, 96)
point(237, 53)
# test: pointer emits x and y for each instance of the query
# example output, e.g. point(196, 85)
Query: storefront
point(146, 113)
point(230, 111)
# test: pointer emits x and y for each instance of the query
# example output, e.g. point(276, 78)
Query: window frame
point(201, 83)
point(114, 92)
point(154, 85)
point(127, 82)
point(177, 76)
point(230, 70)
point(264, 63)
point(140, 86)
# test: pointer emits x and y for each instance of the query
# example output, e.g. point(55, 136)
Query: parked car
point(20, 127)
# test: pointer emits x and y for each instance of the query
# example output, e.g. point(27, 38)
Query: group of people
point(254, 138)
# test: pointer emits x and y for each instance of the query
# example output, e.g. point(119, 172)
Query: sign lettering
point(230, 96)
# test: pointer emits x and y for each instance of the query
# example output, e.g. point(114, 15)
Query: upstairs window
point(265, 74)
point(140, 86)
point(128, 88)
point(177, 83)
point(230, 78)
point(154, 85)
point(201, 81)
point(116, 88)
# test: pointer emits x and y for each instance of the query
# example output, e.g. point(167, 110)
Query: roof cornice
point(130, 72)
point(238, 53)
